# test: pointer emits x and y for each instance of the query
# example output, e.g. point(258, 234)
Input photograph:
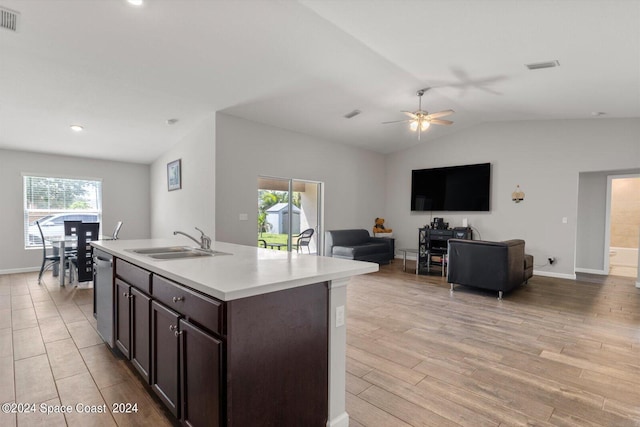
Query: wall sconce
point(518, 195)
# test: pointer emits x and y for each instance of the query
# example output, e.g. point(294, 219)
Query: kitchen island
point(248, 336)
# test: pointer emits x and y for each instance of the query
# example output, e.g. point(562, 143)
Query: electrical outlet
point(339, 316)
point(552, 260)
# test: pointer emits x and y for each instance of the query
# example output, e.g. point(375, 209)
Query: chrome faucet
point(204, 242)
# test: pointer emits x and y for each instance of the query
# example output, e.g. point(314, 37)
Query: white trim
point(337, 410)
point(409, 257)
point(607, 223)
point(590, 271)
point(341, 420)
point(52, 175)
point(557, 275)
point(19, 270)
point(637, 284)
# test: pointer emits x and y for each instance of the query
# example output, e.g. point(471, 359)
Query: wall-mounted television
point(454, 188)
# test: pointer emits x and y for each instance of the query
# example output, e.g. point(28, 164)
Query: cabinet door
point(140, 332)
point(165, 356)
point(200, 376)
point(123, 317)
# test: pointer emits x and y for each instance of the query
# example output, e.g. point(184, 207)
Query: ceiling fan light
point(413, 125)
point(424, 125)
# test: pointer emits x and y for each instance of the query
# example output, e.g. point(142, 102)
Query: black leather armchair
point(498, 266)
point(358, 245)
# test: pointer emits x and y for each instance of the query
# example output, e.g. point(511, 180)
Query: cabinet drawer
point(197, 308)
point(133, 275)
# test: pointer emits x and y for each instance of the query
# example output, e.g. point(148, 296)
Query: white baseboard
point(590, 271)
point(341, 420)
point(19, 270)
point(409, 257)
point(556, 275)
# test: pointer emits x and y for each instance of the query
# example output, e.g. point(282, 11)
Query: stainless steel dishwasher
point(103, 294)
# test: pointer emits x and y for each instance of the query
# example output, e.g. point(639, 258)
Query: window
point(52, 201)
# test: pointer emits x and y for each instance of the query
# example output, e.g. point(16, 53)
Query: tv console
point(432, 246)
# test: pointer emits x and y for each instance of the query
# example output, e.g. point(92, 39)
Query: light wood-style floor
point(50, 353)
point(555, 352)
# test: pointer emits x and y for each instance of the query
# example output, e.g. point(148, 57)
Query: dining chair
point(304, 239)
point(116, 230)
point(71, 229)
point(87, 232)
point(48, 260)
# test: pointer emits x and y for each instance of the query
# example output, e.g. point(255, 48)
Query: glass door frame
point(319, 206)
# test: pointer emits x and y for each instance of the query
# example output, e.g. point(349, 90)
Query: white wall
point(543, 157)
point(125, 197)
point(354, 178)
point(194, 204)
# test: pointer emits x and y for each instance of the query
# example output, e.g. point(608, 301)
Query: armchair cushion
point(357, 244)
point(498, 266)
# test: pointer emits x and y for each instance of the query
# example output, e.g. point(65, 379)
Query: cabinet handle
point(173, 328)
point(177, 299)
point(177, 333)
point(125, 294)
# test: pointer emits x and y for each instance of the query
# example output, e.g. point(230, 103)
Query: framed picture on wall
point(174, 175)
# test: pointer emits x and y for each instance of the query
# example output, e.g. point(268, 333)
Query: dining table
point(60, 244)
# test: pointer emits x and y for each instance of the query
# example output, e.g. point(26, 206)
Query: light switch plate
point(243, 217)
point(339, 316)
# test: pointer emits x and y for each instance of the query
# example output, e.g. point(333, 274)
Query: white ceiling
point(122, 71)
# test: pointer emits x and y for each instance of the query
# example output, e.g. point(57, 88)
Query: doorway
point(623, 225)
point(289, 210)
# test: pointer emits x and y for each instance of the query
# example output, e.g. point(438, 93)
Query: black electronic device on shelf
point(439, 224)
point(433, 246)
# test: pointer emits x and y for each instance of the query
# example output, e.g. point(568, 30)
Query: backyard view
point(273, 216)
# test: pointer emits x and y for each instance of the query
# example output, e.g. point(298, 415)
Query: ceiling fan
point(421, 120)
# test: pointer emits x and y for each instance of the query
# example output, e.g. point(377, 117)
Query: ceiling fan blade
point(410, 114)
point(398, 121)
point(440, 122)
point(440, 114)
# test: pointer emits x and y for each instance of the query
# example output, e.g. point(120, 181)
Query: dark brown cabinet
point(249, 361)
point(123, 317)
point(165, 356)
point(200, 376)
point(132, 315)
point(140, 327)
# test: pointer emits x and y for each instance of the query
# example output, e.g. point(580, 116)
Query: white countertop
point(248, 271)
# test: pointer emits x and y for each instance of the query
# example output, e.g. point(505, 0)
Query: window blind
point(52, 200)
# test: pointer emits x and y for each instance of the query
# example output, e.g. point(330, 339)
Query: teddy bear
point(379, 226)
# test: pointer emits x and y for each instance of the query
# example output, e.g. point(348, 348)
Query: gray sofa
point(358, 245)
point(498, 266)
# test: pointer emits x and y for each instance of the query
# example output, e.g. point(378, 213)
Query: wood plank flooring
point(555, 352)
point(51, 354)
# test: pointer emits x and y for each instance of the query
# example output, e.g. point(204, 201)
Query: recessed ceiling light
point(540, 65)
point(135, 2)
point(76, 128)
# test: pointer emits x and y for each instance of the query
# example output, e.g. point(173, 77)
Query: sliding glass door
point(289, 214)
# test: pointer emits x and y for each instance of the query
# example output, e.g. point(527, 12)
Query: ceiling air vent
point(352, 114)
point(540, 65)
point(8, 19)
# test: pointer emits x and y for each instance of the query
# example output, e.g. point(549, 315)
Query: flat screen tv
point(455, 188)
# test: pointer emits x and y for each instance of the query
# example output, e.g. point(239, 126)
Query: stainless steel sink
point(163, 250)
point(176, 252)
point(180, 255)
